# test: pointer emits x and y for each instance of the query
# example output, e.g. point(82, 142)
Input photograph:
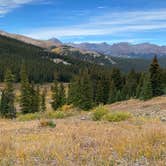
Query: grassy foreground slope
point(78, 140)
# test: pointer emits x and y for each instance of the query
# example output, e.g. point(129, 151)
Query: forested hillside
point(139, 64)
point(40, 63)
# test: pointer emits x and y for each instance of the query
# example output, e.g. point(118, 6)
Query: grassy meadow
point(108, 135)
point(76, 142)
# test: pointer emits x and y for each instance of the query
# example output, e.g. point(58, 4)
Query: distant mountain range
point(124, 49)
point(54, 55)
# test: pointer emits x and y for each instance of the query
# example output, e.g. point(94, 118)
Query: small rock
point(83, 118)
point(163, 119)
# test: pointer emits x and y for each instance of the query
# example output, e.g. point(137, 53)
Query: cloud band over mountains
point(108, 24)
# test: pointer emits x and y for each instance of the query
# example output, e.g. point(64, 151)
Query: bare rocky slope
point(40, 43)
point(154, 108)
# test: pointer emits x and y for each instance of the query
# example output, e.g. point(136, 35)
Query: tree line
point(31, 99)
point(89, 88)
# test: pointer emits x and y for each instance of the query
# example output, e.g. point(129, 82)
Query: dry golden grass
point(74, 142)
point(136, 105)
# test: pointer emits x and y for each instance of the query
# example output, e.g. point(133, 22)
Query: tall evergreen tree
point(43, 100)
point(116, 76)
point(86, 91)
point(112, 93)
point(62, 95)
point(131, 83)
point(35, 99)
point(118, 96)
point(55, 96)
point(2, 104)
point(99, 96)
point(7, 109)
point(82, 91)
point(140, 85)
point(25, 98)
point(146, 91)
point(156, 80)
point(74, 91)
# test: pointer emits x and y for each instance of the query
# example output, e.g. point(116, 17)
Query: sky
point(95, 21)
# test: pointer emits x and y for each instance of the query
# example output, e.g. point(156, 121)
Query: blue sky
point(111, 21)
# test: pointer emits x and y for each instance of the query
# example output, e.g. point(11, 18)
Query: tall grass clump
point(117, 116)
point(99, 112)
point(46, 115)
point(54, 115)
point(29, 117)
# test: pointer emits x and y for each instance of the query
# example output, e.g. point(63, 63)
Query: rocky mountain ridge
point(124, 49)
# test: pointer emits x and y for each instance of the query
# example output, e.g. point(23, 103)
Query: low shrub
point(54, 115)
point(66, 108)
point(117, 116)
point(47, 123)
point(45, 115)
point(99, 112)
point(29, 117)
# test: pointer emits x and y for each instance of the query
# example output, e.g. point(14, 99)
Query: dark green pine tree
point(164, 80)
point(43, 100)
point(118, 96)
point(112, 93)
point(26, 97)
point(140, 85)
point(131, 83)
point(116, 76)
point(62, 95)
point(106, 88)
point(124, 93)
point(81, 91)
point(7, 109)
point(35, 99)
point(74, 91)
point(156, 79)
point(55, 96)
point(146, 91)
point(70, 95)
point(99, 96)
point(3, 104)
point(86, 91)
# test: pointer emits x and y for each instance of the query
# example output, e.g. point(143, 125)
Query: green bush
point(29, 117)
point(52, 124)
point(99, 112)
point(54, 115)
point(40, 115)
point(117, 116)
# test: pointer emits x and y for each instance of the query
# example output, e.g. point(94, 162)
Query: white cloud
point(108, 24)
point(7, 6)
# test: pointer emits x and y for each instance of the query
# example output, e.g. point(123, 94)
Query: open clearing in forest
point(79, 141)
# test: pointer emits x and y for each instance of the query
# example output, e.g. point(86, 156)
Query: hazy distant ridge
point(124, 49)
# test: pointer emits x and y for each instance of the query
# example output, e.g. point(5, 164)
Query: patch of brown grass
point(75, 142)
